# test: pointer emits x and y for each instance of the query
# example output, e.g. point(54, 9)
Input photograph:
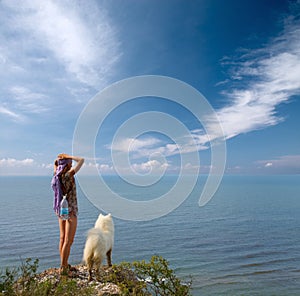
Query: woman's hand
point(78, 159)
point(63, 156)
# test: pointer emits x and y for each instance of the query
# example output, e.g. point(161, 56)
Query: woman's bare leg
point(62, 226)
point(68, 228)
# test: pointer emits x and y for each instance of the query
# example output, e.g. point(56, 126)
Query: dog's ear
point(109, 215)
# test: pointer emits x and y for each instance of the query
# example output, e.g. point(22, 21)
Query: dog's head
point(105, 222)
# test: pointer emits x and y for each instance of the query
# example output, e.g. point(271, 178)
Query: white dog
point(99, 243)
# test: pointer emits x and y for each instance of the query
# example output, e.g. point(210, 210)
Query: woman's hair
point(62, 176)
point(65, 170)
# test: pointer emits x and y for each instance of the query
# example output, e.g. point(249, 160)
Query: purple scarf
point(56, 185)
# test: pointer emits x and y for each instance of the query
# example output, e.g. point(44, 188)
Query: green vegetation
point(153, 278)
point(137, 278)
point(22, 281)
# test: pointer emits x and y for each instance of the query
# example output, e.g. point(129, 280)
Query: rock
point(80, 275)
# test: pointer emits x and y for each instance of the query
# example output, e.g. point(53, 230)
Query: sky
point(243, 56)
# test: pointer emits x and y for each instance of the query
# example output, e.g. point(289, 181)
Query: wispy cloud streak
point(262, 79)
point(52, 51)
point(5, 111)
point(66, 32)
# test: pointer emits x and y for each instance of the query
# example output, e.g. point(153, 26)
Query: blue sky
point(243, 56)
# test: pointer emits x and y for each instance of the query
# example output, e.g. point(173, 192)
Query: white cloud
point(152, 146)
point(24, 167)
point(143, 168)
point(22, 93)
point(138, 148)
point(47, 166)
point(134, 145)
point(150, 166)
point(105, 168)
point(15, 116)
point(66, 31)
point(53, 51)
point(261, 80)
point(12, 162)
point(28, 101)
point(27, 166)
point(191, 168)
point(265, 78)
point(291, 162)
point(89, 167)
point(233, 170)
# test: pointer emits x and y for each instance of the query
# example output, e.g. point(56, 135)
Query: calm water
point(246, 241)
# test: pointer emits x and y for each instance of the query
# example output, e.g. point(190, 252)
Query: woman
point(63, 183)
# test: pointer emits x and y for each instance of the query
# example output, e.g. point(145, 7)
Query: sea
point(244, 241)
